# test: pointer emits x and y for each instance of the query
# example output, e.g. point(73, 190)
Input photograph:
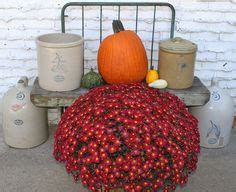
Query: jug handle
point(23, 80)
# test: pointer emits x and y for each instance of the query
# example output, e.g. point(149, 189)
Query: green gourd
point(91, 79)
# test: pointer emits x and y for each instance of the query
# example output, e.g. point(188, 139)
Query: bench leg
point(61, 110)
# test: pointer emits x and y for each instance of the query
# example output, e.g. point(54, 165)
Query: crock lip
point(40, 42)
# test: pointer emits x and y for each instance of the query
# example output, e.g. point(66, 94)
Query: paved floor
point(35, 170)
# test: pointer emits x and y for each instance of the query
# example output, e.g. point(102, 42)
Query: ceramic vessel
point(176, 62)
point(215, 118)
point(60, 61)
point(24, 125)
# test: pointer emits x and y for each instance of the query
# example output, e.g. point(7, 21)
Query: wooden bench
point(196, 95)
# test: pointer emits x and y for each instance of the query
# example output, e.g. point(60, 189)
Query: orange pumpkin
point(122, 57)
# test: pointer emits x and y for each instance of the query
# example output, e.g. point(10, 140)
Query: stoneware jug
point(24, 125)
point(215, 118)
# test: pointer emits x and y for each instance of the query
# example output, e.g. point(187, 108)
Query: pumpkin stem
point(117, 26)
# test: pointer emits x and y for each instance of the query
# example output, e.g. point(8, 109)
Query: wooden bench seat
point(196, 95)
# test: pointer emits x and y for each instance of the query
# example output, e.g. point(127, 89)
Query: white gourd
point(160, 84)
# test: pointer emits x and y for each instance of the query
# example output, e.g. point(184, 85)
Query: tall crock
point(60, 61)
point(176, 62)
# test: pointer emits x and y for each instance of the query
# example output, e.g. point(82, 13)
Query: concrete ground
point(35, 170)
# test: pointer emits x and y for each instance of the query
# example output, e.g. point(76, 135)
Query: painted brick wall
point(210, 24)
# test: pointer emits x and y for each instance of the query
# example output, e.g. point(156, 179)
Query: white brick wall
point(212, 25)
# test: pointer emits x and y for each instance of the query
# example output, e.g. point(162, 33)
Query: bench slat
point(196, 95)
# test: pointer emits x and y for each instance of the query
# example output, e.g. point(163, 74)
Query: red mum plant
point(128, 136)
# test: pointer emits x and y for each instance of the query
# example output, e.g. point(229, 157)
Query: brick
point(228, 84)
point(92, 63)
point(14, 34)
point(89, 54)
point(4, 53)
point(12, 73)
point(223, 6)
point(31, 24)
point(29, 63)
point(3, 44)
point(33, 4)
point(193, 6)
point(230, 16)
point(192, 26)
point(233, 92)
point(27, 24)
point(147, 35)
point(219, 66)
point(217, 46)
point(148, 45)
point(31, 73)
point(8, 15)
point(207, 65)
point(227, 56)
point(200, 46)
point(10, 81)
point(22, 54)
point(204, 74)
point(230, 37)
point(8, 4)
point(11, 44)
point(198, 65)
point(206, 56)
point(201, 16)
point(227, 65)
point(159, 26)
point(227, 75)
point(3, 33)
point(10, 64)
point(91, 34)
point(30, 44)
point(43, 14)
point(92, 45)
point(204, 36)
point(28, 34)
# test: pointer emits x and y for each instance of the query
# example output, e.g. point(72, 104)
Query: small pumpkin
point(91, 79)
point(151, 76)
point(122, 57)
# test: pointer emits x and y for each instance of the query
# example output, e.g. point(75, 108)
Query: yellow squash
point(151, 76)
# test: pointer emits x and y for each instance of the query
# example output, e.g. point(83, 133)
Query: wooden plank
point(43, 98)
point(196, 95)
